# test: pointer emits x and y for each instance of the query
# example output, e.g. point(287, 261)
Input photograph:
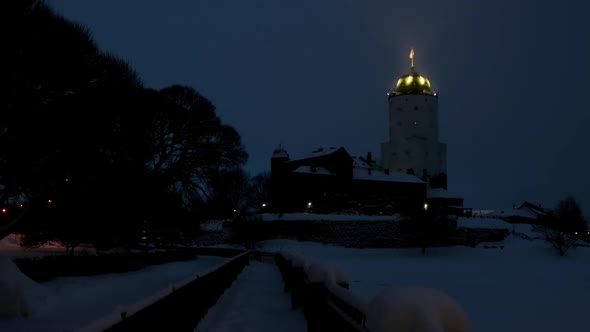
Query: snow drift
point(19, 295)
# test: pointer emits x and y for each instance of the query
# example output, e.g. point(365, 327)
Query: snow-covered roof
point(360, 163)
point(312, 170)
point(363, 174)
point(531, 207)
point(510, 212)
point(440, 193)
point(320, 152)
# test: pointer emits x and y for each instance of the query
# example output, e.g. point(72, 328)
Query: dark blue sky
point(512, 77)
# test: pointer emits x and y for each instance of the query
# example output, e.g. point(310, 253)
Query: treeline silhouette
point(93, 155)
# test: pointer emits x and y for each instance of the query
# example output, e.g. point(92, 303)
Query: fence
point(327, 306)
point(179, 308)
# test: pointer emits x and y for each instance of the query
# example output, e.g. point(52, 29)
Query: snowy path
point(255, 302)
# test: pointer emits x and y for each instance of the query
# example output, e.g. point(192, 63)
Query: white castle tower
point(413, 144)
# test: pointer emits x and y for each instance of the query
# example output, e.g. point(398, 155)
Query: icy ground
point(255, 302)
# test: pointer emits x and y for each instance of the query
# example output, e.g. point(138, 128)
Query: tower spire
point(412, 58)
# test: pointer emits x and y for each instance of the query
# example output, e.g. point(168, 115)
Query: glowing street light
point(263, 205)
point(309, 205)
point(425, 206)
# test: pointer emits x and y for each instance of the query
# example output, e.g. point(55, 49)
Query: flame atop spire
point(412, 57)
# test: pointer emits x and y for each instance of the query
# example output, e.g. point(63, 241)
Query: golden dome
point(413, 83)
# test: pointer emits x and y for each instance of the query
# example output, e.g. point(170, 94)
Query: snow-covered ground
point(255, 302)
point(524, 287)
point(73, 302)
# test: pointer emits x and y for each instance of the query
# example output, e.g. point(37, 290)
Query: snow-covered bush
point(19, 295)
point(415, 309)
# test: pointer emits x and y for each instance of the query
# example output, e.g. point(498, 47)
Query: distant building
point(445, 202)
point(525, 212)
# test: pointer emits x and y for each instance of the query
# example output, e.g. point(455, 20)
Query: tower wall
point(413, 135)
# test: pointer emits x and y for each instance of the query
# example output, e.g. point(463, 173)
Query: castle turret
point(413, 144)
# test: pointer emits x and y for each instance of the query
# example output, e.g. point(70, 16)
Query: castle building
point(413, 146)
point(411, 174)
point(331, 180)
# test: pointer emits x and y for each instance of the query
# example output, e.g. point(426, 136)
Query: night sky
point(512, 78)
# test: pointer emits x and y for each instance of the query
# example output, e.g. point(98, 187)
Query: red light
point(48, 201)
point(3, 210)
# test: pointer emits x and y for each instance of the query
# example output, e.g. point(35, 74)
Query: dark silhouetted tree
point(78, 128)
point(258, 191)
point(191, 144)
point(560, 229)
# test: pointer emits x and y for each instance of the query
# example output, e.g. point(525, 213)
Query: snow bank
point(19, 295)
point(415, 309)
